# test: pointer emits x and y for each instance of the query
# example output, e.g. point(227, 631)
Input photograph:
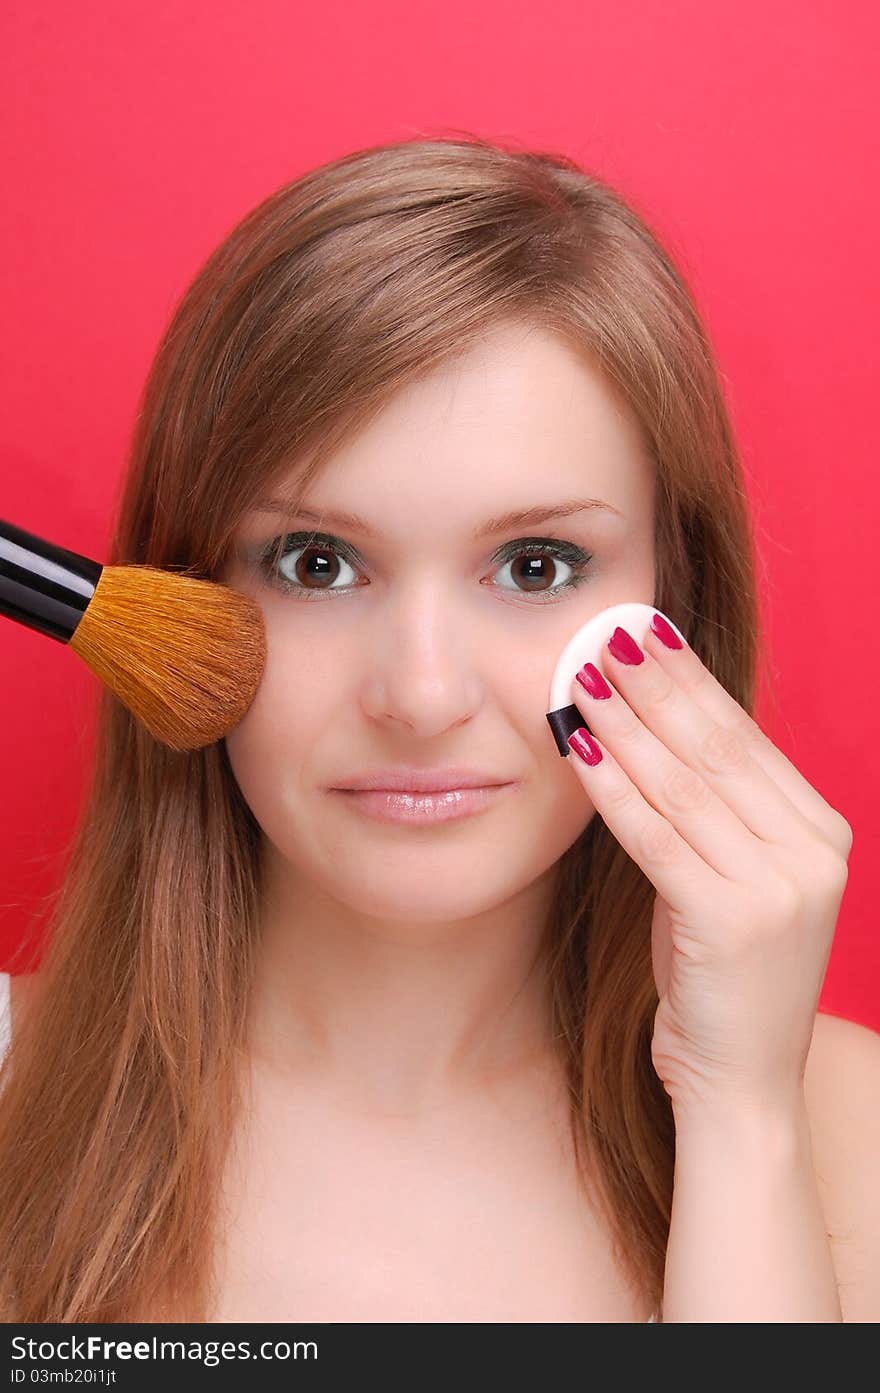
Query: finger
point(680, 875)
point(673, 789)
point(688, 736)
point(706, 692)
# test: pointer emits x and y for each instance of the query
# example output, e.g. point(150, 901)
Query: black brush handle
point(42, 585)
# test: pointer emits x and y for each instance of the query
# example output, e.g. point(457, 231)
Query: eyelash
point(270, 557)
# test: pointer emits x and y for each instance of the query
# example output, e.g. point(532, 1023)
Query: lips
point(412, 809)
point(415, 780)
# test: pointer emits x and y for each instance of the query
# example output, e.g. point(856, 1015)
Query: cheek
point(571, 809)
point(270, 749)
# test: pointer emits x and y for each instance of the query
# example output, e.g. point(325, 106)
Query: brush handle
point(42, 585)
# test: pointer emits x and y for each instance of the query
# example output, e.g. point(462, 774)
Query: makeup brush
point(185, 656)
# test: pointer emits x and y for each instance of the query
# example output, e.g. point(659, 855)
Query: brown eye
point(536, 572)
point(301, 564)
point(313, 567)
point(534, 567)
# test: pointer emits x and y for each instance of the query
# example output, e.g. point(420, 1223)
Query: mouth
point(413, 807)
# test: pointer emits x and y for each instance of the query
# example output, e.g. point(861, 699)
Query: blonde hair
point(121, 1088)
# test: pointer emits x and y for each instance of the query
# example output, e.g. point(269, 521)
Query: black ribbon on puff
point(564, 722)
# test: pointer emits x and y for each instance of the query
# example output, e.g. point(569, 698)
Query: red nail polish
point(665, 632)
point(593, 682)
point(584, 745)
point(624, 647)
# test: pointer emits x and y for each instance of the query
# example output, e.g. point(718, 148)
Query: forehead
point(518, 420)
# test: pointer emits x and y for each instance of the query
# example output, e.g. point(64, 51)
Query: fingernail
point(665, 632)
point(624, 647)
point(593, 682)
point(584, 745)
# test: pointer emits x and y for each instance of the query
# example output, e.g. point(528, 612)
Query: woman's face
point(431, 641)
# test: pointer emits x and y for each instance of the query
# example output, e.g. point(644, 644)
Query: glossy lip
point(417, 808)
point(409, 779)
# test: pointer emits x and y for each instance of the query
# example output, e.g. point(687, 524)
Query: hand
point(748, 860)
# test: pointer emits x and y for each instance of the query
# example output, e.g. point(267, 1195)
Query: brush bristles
point(184, 655)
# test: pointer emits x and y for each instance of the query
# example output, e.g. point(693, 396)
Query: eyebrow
point(518, 517)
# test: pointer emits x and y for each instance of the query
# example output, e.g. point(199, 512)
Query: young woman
point(545, 1052)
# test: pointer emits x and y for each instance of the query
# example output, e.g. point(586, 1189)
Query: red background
point(137, 135)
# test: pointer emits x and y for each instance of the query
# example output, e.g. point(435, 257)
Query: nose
point(418, 670)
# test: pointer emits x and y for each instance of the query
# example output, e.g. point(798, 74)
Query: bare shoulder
point(842, 1092)
point(843, 1065)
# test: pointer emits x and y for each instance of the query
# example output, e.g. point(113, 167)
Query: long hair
point(121, 1088)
